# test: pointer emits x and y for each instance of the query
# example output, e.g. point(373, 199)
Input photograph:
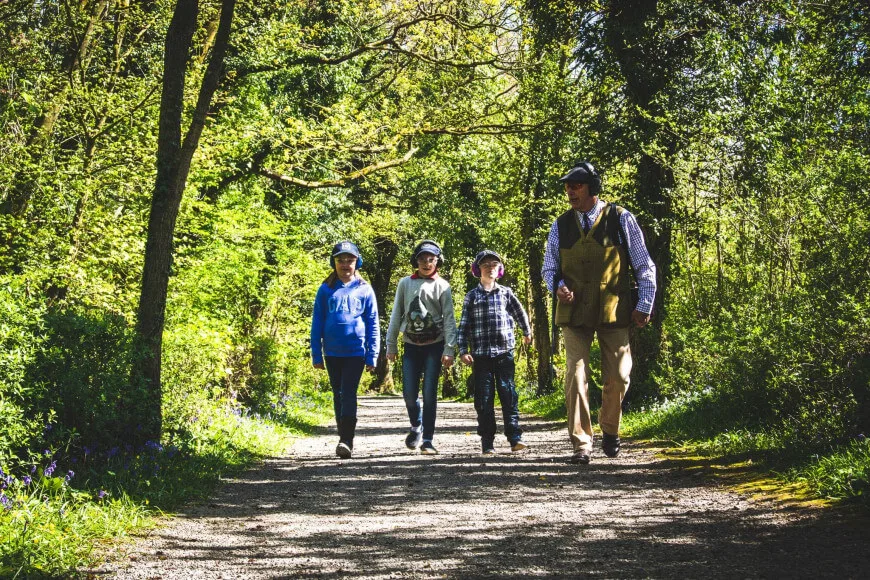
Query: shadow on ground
point(392, 512)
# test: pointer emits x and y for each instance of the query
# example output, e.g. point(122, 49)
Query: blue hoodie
point(345, 322)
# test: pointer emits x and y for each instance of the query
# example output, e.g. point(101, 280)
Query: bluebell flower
point(153, 446)
point(5, 501)
point(26, 480)
point(33, 469)
point(69, 475)
point(102, 494)
point(50, 469)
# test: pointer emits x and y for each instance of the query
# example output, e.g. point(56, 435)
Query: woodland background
point(173, 174)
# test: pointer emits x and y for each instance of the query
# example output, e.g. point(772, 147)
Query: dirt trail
point(391, 513)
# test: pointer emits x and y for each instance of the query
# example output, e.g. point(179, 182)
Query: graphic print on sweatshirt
point(347, 306)
point(420, 327)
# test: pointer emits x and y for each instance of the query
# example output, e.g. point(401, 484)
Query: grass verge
point(60, 517)
point(769, 460)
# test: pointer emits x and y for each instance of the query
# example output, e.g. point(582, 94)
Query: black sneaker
point(487, 449)
point(412, 441)
point(610, 445)
point(428, 449)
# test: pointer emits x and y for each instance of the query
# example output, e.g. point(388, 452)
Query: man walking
point(586, 263)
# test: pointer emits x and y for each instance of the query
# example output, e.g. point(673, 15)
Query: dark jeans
point(345, 373)
point(491, 375)
point(422, 361)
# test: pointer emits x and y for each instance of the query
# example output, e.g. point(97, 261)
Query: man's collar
point(416, 276)
point(598, 204)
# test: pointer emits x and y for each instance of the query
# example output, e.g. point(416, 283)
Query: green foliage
point(20, 343)
point(450, 121)
point(54, 519)
point(842, 475)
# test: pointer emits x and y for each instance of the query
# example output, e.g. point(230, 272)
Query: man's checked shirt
point(487, 324)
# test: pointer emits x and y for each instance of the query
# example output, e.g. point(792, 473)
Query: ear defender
point(346, 247)
point(427, 246)
point(594, 178)
point(475, 265)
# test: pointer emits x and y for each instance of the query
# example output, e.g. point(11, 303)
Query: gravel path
point(392, 513)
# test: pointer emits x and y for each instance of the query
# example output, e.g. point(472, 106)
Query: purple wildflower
point(26, 480)
point(69, 475)
point(153, 446)
point(102, 494)
point(50, 469)
point(7, 503)
point(33, 470)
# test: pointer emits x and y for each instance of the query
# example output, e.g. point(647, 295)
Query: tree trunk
point(630, 32)
point(173, 166)
point(532, 227)
point(382, 266)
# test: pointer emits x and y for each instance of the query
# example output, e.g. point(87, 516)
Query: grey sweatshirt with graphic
point(423, 313)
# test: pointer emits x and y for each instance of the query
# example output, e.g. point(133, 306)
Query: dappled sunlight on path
point(390, 512)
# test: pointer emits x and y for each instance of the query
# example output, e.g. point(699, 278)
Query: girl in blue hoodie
point(345, 336)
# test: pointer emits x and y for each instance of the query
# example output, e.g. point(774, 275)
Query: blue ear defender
point(346, 247)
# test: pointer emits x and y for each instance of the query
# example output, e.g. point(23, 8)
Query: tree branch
point(343, 181)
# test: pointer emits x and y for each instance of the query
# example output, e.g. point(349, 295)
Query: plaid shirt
point(486, 328)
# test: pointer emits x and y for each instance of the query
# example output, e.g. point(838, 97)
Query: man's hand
point(370, 368)
point(319, 366)
point(447, 361)
point(467, 359)
point(639, 318)
point(391, 357)
point(527, 340)
point(564, 295)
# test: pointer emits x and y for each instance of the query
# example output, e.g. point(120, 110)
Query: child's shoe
point(428, 449)
point(518, 445)
point(412, 441)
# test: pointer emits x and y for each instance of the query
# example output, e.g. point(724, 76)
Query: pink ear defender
point(475, 265)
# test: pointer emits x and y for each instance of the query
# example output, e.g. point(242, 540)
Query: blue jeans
point(345, 373)
point(491, 375)
point(422, 361)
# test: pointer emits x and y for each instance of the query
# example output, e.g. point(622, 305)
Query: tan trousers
point(615, 376)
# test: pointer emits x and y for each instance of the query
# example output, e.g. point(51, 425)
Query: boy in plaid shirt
point(486, 341)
